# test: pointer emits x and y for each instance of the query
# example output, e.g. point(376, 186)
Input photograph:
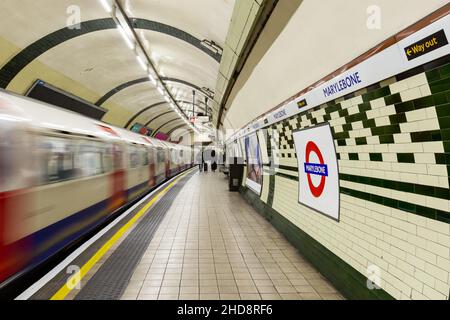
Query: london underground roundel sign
point(318, 170)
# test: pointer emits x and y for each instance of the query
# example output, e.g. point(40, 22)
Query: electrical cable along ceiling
point(174, 45)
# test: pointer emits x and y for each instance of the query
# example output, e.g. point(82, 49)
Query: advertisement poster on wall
point(254, 163)
point(318, 170)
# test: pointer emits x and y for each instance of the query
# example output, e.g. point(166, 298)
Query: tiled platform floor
point(213, 245)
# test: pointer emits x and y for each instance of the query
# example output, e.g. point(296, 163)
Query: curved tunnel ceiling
point(143, 114)
point(33, 51)
point(163, 27)
point(166, 123)
point(131, 83)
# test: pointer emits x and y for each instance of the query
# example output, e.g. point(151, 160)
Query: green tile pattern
point(349, 282)
point(282, 142)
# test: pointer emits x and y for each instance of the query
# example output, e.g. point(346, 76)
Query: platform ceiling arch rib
point(131, 83)
point(48, 42)
point(166, 123)
point(92, 61)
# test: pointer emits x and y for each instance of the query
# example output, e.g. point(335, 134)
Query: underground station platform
point(224, 158)
point(178, 244)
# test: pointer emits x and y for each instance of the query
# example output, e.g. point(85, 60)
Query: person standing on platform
point(204, 164)
point(213, 161)
point(199, 160)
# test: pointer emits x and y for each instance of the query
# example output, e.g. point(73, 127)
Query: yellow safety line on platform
point(76, 278)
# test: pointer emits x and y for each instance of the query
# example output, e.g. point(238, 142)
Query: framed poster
point(318, 170)
point(262, 138)
point(136, 127)
point(254, 163)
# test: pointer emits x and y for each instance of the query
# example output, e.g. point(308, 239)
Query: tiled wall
point(393, 145)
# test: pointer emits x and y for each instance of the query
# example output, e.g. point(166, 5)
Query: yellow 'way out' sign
point(426, 45)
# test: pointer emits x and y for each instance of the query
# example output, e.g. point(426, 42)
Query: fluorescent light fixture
point(106, 5)
point(127, 40)
point(152, 79)
point(142, 63)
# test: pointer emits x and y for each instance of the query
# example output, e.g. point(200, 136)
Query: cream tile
point(250, 296)
point(228, 289)
point(230, 296)
point(168, 297)
point(204, 248)
point(209, 296)
point(270, 296)
point(290, 296)
point(247, 289)
point(209, 289)
point(148, 297)
point(170, 283)
point(169, 290)
point(245, 282)
point(152, 283)
point(193, 289)
point(331, 296)
point(266, 289)
point(150, 291)
point(310, 296)
point(226, 282)
point(189, 282)
point(286, 289)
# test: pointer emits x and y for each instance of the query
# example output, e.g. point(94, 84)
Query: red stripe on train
point(14, 252)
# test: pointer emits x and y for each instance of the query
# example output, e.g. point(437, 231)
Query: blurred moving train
point(63, 174)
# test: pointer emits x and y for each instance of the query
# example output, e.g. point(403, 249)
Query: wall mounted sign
point(254, 163)
point(426, 45)
point(346, 83)
point(318, 170)
point(136, 127)
point(302, 103)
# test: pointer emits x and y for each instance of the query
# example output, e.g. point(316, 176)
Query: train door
point(180, 160)
point(168, 164)
point(15, 183)
point(118, 197)
point(152, 167)
point(160, 165)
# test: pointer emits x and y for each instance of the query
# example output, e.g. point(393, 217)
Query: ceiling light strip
point(133, 42)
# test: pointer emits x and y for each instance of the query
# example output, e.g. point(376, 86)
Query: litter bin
point(235, 174)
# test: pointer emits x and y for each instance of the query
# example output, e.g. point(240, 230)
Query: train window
point(63, 159)
point(108, 159)
point(11, 158)
point(161, 156)
point(134, 157)
point(57, 159)
point(90, 159)
point(152, 155)
point(144, 157)
point(117, 157)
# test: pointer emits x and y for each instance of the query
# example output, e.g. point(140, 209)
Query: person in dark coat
point(200, 160)
point(213, 161)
